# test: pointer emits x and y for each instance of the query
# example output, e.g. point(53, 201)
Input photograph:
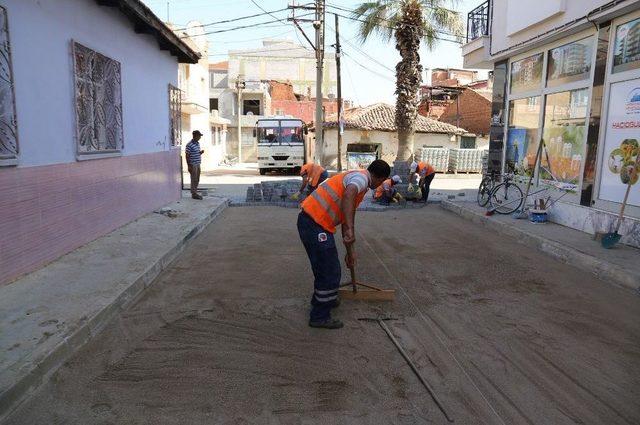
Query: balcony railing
point(478, 21)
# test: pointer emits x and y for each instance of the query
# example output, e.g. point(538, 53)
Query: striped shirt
point(359, 180)
point(193, 151)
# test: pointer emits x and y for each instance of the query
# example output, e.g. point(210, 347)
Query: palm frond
point(374, 18)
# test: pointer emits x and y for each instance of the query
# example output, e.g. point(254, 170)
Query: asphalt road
point(504, 335)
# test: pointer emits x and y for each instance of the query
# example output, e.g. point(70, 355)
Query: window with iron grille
point(8, 124)
point(175, 115)
point(98, 102)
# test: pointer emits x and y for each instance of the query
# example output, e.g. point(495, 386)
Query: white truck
point(281, 144)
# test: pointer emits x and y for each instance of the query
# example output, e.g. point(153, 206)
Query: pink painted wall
point(49, 210)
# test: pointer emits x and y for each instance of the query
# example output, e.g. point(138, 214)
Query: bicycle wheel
point(484, 191)
point(506, 198)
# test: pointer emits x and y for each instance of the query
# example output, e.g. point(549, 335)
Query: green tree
point(410, 22)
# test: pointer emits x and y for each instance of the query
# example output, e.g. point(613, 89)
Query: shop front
point(578, 97)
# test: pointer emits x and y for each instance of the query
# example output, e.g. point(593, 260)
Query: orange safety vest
point(428, 169)
point(314, 172)
point(324, 203)
point(388, 183)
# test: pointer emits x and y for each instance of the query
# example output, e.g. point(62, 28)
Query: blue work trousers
point(323, 255)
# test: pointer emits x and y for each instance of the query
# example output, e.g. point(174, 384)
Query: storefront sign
point(622, 142)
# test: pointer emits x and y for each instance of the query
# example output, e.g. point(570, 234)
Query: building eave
point(146, 22)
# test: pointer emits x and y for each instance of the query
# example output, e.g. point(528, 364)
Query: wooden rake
point(362, 291)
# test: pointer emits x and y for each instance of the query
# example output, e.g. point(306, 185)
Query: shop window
point(175, 115)
point(526, 74)
point(522, 135)
point(626, 53)
point(8, 124)
point(564, 138)
point(569, 63)
point(251, 107)
point(98, 98)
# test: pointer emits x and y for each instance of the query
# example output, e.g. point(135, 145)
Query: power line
point(363, 53)
point(344, 9)
point(234, 29)
point(261, 8)
point(226, 21)
point(386, 77)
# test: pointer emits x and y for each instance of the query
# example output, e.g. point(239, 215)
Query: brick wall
point(281, 91)
point(475, 113)
point(303, 109)
point(50, 210)
point(433, 108)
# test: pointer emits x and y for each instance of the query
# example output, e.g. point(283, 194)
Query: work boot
point(196, 196)
point(326, 324)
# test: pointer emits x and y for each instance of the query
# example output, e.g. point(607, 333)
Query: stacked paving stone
point(273, 191)
point(465, 160)
point(437, 157)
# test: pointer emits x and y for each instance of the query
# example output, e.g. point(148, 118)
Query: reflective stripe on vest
point(324, 204)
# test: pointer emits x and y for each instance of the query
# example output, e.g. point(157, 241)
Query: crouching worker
point(333, 203)
point(426, 173)
point(387, 193)
point(312, 175)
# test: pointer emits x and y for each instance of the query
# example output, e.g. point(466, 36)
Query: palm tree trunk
point(408, 34)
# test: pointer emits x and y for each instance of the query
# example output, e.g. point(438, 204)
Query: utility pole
point(240, 84)
point(318, 24)
point(339, 81)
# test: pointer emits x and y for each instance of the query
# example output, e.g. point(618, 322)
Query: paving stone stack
point(437, 157)
point(465, 160)
point(270, 191)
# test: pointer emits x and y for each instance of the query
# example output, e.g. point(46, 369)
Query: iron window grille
point(98, 98)
point(175, 115)
point(8, 122)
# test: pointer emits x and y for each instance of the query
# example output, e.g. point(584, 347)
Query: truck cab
point(281, 144)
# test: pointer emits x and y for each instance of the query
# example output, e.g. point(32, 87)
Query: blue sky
point(364, 80)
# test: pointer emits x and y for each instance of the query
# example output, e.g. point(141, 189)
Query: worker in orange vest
point(425, 173)
point(312, 175)
point(333, 203)
point(386, 193)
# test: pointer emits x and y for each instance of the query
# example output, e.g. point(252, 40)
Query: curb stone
point(44, 367)
point(604, 270)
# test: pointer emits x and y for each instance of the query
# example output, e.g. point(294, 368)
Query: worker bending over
point(312, 175)
point(426, 173)
point(387, 193)
point(333, 203)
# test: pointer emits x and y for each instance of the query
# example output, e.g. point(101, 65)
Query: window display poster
point(526, 74)
point(622, 143)
point(517, 157)
point(626, 54)
point(571, 62)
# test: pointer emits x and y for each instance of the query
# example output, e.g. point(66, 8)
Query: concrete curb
point(606, 271)
point(44, 367)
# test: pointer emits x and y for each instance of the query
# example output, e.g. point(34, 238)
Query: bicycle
point(506, 197)
point(486, 187)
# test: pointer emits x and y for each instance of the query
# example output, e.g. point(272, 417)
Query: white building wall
point(517, 21)
point(388, 140)
point(41, 33)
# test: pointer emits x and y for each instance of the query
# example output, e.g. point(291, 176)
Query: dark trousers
point(387, 198)
point(425, 184)
point(323, 255)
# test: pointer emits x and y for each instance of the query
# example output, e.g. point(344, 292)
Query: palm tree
point(410, 22)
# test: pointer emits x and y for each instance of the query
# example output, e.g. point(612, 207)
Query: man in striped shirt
point(194, 158)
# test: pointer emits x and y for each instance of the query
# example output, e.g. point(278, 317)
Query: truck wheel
point(263, 171)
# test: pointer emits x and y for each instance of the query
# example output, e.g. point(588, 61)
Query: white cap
point(414, 166)
point(396, 179)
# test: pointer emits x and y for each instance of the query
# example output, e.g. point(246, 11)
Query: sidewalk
point(47, 315)
point(619, 265)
